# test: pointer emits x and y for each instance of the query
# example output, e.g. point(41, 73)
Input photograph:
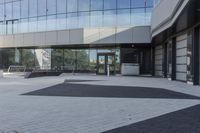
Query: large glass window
point(96, 4)
point(109, 18)
point(9, 27)
point(72, 5)
point(61, 6)
point(1, 28)
point(32, 8)
point(1, 12)
point(16, 10)
point(8, 58)
point(32, 24)
point(149, 3)
point(24, 8)
point(93, 60)
point(42, 7)
point(28, 58)
point(123, 17)
point(61, 21)
point(84, 19)
point(124, 3)
point(72, 20)
point(84, 5)
point(96, 19)
point(138, 16)
point(69, 59)
point(16, 26)
point(24, 25)
point(110, 4)
point(57, 59)
point(8, 11)
point(51, 7)
point(43, 59)
point(51, 22)
point(82, 60)
point(137, 3)
point(41, 23)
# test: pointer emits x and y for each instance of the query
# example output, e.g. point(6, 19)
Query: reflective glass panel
point(124, 3)
point(61, 6)
point(1, 12)
point(109, 18)
point(61, 21)
point(51, 7)
point(72, 5)
point(57, 59)
point(82, 59)
point(84, 5)
point(96, 19)
point(137, 3)
point(24, 8)
point(51, 22)
point(110, 4)
point(69, 60)
point(96, 4)
point(32, 24)
point(28, 58)
point(123, 17)
point(41, 24)
point(32, 8)
point(72, 20)
point(8, 11)
point(42, 7)
point(84, 19)
point(16, 10)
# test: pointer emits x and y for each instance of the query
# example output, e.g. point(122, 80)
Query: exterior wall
point(181, 57)
point(78, 36)
point(165, 14)
point(158, 60)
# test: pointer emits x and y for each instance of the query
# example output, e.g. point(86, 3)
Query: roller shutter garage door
point(158, 60)
point(181, 57)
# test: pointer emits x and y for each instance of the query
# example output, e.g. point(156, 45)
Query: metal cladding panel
point(112, 35)
point(8, 41)
point(158, 60)
point(142, 34)
point(76, 36)
point(124, 35)
point(107, 35)
point(63, 37)
point(29, 39)
point(18, 39)
point(181, 57)
point(51, 38)
point(40, 39)
point(165, 14)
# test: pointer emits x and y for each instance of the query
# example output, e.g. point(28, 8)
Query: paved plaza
point(95, 104)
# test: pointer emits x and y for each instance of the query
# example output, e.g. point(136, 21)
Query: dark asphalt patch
point(183, 121)
point(82, 90)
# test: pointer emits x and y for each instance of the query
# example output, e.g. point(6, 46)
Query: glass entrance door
point(103, 61)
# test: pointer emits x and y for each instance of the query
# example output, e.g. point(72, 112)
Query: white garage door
point(181, 57)
point(158, 60)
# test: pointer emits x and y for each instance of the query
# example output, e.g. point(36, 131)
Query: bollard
point(108, 70)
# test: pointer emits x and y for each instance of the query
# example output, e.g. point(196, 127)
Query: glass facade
point(21, 16)
point(56, 59)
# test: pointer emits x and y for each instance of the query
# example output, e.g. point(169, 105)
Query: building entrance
point(105, 60)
